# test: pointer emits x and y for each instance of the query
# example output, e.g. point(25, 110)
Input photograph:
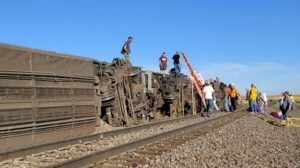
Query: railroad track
point(148, 147)
point(64, 144)
point(66, 150)
point(67, 142)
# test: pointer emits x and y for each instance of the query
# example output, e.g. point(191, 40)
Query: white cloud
point(270, 77)
point(241, 69)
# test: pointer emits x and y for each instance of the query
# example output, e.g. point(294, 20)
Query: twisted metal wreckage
point(46, 96)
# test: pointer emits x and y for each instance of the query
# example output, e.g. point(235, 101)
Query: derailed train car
point(130, 95)
point(46, 96)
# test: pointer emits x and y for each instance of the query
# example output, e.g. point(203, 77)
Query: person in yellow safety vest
point(234, 97)
point(293, 102)
point(253, 98)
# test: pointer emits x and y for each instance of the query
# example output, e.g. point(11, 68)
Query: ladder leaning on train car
point(196, 80)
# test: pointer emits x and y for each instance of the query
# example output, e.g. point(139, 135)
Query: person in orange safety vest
point(234, 97)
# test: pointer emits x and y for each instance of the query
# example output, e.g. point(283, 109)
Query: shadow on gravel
point(272, 122)
point(275, 123)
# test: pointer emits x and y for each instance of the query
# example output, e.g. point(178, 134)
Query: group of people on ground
point(231, 97)
point(258, 101)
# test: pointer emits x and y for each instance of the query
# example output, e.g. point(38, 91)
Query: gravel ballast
point(47, 158)
point(247, 142)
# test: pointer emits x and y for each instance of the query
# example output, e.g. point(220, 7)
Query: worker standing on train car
point(126, 49)
point(163, 63)
point(234, 97)
point(209, 94)
point(177, 62)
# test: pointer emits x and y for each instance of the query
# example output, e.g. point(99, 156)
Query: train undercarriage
point(46, 96)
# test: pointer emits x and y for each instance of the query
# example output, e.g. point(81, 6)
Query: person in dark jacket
point(286, 104)
point(177, 62)
point(126, 49)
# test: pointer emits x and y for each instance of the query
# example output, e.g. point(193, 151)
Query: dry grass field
point(297, 98)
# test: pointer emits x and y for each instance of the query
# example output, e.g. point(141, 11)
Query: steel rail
point(20, 152)
point(104, 154)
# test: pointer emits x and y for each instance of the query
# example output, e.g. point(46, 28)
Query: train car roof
point(15, 47)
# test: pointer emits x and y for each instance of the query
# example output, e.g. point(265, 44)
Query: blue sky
point(242, 42)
